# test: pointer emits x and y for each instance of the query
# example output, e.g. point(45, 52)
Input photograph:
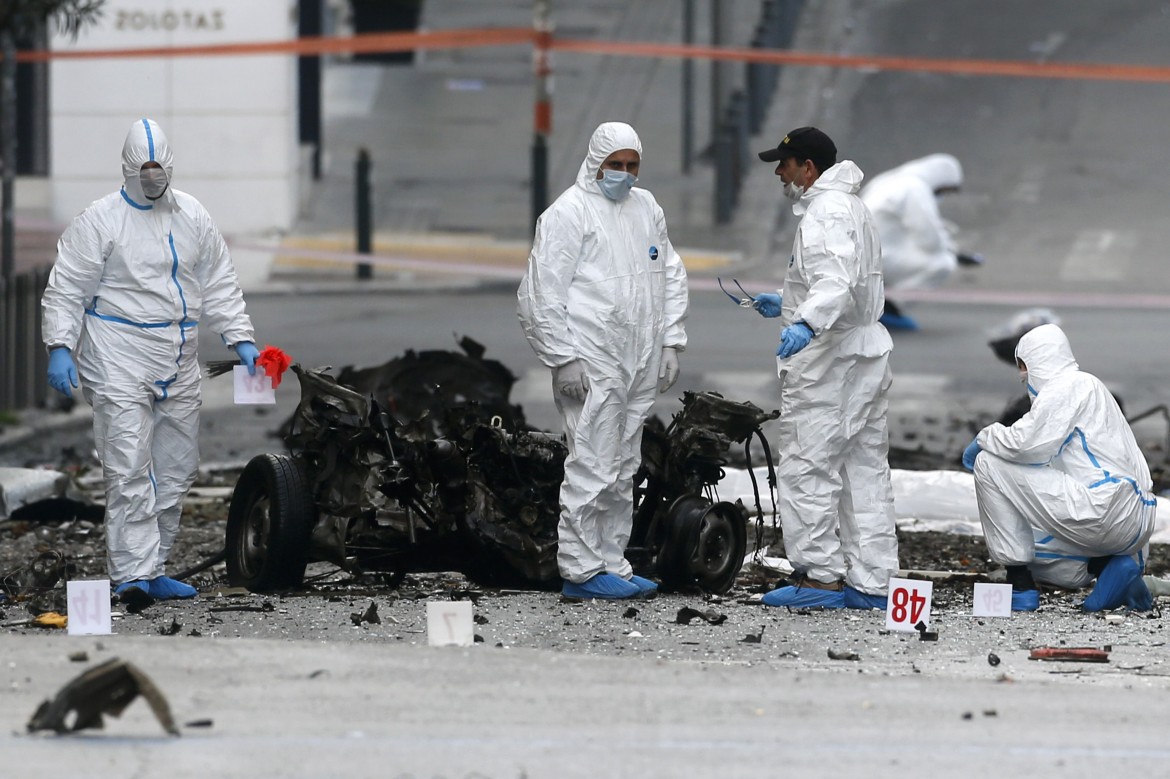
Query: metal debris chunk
point(686, 614)
point(104, 689)
point(135, 599)
point(39, 575)
point(753, 638)
point(170, 630)
point(369, 615)
point(1069, 653)
point(843, 654)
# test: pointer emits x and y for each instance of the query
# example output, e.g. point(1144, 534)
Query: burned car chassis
point(456, 491)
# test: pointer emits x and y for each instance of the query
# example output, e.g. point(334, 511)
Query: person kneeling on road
point(1064, 493)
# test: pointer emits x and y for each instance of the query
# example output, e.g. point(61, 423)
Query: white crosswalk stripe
point(1098, 255)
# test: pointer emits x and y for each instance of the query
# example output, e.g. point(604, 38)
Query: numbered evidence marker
point(908, 604)
point(449, 623)
point(992, 600)
point(89, 607)
point(253, 390)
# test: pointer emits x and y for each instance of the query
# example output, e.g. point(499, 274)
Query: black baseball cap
point(805, 143)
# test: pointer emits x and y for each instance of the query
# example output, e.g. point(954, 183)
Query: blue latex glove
point(62, 371)
point(794, 338)
point(768, 304)
point(247, 352)
point(970, 453)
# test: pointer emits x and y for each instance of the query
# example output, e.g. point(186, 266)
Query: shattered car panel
point(107, 688)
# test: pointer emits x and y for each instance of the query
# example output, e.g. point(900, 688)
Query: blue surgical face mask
point(616, 184)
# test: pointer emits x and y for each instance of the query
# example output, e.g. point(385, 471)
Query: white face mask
point(793, 192)
point(616, 184)
point(154, 182)
point(1024, 380)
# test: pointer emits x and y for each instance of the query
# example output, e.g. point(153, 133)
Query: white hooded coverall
point(836, 500)
point(1067, 482)
point(917, 247)
point(604, 286)
point(132, 281)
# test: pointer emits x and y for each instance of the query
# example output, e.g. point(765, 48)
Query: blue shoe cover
point(603, 586)
point(1025, 600)
point(805, 598)
point(1112, 585)
point(856, 599)
point(166, 588)
point(645, 586)
point(898, 322)
point(1138, 597)
point(141, 584)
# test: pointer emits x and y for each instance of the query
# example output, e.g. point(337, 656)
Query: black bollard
point(364, 223)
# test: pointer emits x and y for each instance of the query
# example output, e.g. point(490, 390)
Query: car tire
point(269, 523)
point(704, 546)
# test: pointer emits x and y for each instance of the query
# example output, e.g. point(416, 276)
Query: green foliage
point(22, 17)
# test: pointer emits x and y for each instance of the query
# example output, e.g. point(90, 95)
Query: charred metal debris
point(422, 465)
point(105, 689)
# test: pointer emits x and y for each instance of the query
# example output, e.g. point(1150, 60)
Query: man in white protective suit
point(836, 501)
point(136, 274)
point(918, 248)
point(602, 304)
point(1065, 494)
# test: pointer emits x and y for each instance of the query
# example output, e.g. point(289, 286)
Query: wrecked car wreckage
point(390, 472)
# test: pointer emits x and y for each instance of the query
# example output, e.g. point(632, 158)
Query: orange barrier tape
point(366, 43)
point(1092, 71)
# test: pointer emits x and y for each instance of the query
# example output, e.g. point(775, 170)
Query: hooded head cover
point(145, 142)
point(939, 171)
point(607, 138)
point(1046, 352)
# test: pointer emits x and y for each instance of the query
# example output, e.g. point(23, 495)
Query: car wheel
point(269, 522)
point(704, 546)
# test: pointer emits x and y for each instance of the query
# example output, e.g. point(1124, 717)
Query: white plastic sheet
point(942, 501)
point(22, 486)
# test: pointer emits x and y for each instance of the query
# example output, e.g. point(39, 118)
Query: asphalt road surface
point(1065, 194)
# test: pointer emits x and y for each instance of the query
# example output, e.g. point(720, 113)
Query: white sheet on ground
point(942, 501)
point(22, 486)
